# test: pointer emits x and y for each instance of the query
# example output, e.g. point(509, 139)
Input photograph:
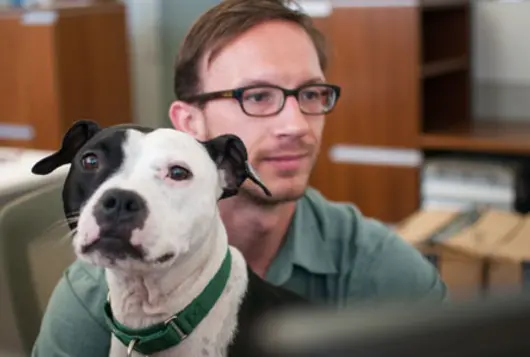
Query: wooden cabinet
point(59, 65)
point(404, 68)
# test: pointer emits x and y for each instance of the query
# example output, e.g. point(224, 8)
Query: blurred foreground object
point(487, 328)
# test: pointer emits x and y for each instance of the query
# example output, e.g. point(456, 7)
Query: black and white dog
point(142, 204)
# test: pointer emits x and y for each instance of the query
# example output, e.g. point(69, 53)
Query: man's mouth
point(287, 157)
point(287, 162)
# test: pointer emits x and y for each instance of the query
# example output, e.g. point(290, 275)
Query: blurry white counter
point(16, 177)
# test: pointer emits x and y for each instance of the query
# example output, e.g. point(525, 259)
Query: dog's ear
point(230, 155)
point(78, 134)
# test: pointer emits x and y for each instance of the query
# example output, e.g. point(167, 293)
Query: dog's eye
point(179, 173)
point(90, 162)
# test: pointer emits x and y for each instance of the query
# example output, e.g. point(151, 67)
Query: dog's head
point(139, 196)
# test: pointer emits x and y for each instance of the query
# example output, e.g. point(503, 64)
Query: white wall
point(156, 28)
point(144, 24)
point(177, 17)
point(501, 34)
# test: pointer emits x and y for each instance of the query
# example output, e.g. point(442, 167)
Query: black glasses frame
point(237, 94)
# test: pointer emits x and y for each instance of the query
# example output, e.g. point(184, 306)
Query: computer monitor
point(497, 327)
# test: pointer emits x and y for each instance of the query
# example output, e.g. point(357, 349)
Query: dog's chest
point(210, 338)
point(213, 335)
point(200, 345)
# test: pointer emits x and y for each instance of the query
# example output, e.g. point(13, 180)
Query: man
point(255, 68)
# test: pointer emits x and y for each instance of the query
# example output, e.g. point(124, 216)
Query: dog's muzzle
point(118, 213)
point(122, 207)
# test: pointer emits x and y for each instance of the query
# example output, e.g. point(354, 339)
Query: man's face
point(282, 148)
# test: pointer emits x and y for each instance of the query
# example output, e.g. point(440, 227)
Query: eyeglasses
point(269, 100)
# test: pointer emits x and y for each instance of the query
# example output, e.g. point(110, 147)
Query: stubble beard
point(291, 190)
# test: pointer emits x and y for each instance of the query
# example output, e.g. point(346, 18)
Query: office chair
point(33, 256)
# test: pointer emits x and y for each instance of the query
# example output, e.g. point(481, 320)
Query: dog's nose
point(119, 205)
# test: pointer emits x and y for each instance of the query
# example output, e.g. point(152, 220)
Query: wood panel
point(94, 67)
point(27, 98)
point(38, 76)
point(487, 135)
point(385, 192)
point(10, 100)
point(375, 58)
point(70, 64)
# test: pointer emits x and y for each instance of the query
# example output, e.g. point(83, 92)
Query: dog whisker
point(66, 238)
point(50, 233)
point(55, 226)
point(55, 240)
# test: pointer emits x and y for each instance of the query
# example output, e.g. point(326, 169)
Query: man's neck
point(257, 231)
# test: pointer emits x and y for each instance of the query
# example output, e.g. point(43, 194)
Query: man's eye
point(258, 96)
point(312, 95)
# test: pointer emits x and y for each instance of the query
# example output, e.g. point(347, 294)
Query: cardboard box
point(509, 267)
point(461, 244)
point(492, 230)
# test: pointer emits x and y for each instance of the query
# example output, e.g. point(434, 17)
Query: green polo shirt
point(332, 254)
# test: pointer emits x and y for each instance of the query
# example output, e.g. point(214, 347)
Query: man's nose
point(291, 121)
point(121, 206)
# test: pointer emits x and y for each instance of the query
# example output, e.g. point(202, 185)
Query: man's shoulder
point(73, 323)
point(378, 262)
point(88, 286)
point(341, 222)
point(84, 276)
point(83, 270)
point(344, 228)
point(344, 223)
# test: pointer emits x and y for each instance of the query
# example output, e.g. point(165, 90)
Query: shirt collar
point(304, 246)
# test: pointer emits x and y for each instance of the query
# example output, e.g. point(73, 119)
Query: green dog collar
point(174, 330)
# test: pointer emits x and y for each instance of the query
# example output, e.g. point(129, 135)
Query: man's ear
point(230, 155)
point(187, 118)
point(78, 134)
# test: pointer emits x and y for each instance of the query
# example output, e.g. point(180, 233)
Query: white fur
point(184, 220)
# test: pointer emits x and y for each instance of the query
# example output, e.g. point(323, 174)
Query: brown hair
point(223, 23)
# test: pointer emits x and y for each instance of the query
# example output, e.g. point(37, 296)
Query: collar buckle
point(171, 322)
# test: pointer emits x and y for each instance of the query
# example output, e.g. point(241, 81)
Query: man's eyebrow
point(314, 80)
point(262, 82)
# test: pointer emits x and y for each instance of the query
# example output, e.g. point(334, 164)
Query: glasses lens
point(317, 99)
point(262, 101)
